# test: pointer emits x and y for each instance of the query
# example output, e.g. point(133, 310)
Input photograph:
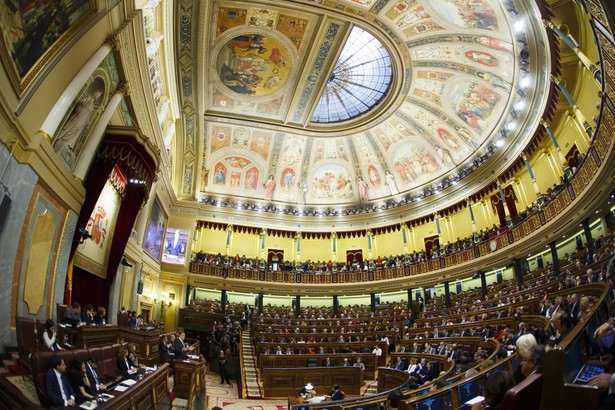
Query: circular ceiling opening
point(360, 80)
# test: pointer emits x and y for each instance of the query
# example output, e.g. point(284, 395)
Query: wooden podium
point(189, 377)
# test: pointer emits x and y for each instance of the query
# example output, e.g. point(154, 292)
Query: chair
point(524, 395)
point(41, 363)
point(312, 362)
point(81, 355)
point(40, 331)
point(106, 363)
point(26, 342)
point(60, 309)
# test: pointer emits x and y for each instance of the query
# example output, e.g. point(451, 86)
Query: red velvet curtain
point(431, 242)
point(354, 255)
point(125, 152)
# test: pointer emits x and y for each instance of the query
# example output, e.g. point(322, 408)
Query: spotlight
point(125, 262)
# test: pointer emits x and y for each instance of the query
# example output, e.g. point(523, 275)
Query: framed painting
point(175, 245)
point(34, 31)
point(155, 231)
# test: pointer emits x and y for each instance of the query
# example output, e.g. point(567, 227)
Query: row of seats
point(29, 340)
point(105, 356)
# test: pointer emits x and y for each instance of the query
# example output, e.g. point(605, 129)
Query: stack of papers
point(194, 357)
point(128, 382)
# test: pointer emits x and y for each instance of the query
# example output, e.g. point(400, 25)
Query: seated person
point(132, 356)
point(59, 390)
point(99, 319)
point(307, 392)
point(124, 365)
point(336, 393)
point(72, 315)
point(359, 363)
point(87, 315)
point(165, 353)
point(49, 336)
point(80, 382)
point(496, 387)
point(95, 382)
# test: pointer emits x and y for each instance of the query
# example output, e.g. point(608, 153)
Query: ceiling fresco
point(456, 92)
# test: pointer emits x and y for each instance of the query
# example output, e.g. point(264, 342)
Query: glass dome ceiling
point(360, 80)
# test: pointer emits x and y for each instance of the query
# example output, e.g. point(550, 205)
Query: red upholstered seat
point(60, 309)
point(26, 341)
point(106, 365)
point(81, 354)
point(525, 395)
point(41, 362)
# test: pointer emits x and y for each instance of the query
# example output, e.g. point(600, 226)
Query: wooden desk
point(288, 382)
point(149, 393)
point(185, 374)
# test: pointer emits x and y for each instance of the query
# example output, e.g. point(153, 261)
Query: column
point(410, 304)
point(336, 305)
point(439, 230)
point(333, 246)
point(588, 238)
point(298, 248)
point(372, 303)
point(533, 177)
point(404, 236)
point(483, 283)
point(96, 135)
point(503, 199)
point(297, 306)
point(224, 300)
point(575, 109)
point(260, 302)
point(560, 154)
point(229, 237)
point(556, 265)
point(447, 295)
point(263, 241)
point(517, 267)
point(574, 46)
point(59, 110)
point(469, 205)
point(370, 251)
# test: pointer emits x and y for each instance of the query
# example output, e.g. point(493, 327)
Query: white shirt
point(61, 383)
point(377, 351)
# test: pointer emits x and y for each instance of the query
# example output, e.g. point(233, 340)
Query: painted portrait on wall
point(175, 245)
point(152, 244)
point(32, 31)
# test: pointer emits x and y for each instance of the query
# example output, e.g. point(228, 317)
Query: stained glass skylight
point(360, 80)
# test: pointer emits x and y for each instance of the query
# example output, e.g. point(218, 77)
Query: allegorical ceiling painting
point(455, 70)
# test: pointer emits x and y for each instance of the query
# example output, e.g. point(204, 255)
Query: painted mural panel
point(414, 162)
point(220, 137)
point(253, 64)
point(229, 18)
point(412, 18)
point(474, 104)
point(332, 182)
point(31, 34)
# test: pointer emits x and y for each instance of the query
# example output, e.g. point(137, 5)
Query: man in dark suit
point(329, 362)
point(90, 370)
point(180, 347)
point(163, 348)
point(59, 390)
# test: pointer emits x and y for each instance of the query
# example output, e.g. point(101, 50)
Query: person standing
point(222, 366)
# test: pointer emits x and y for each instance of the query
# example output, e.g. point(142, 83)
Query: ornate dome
point(362, 103)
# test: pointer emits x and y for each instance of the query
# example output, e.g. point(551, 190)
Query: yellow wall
point(244, 244)
point(348, 301)
point(316, 249)
point(316, 302)
point(215, 242)
point(389, 244)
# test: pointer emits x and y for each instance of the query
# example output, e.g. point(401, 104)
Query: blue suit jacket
point(53, 388)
